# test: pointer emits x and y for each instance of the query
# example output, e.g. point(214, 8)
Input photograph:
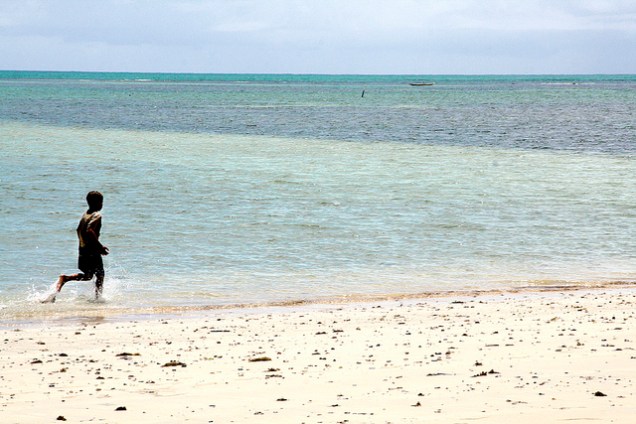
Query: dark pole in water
point(362, 93)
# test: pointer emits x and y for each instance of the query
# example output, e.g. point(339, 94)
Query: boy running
point(90, 248)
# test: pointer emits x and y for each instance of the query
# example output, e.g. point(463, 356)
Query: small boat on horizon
point(421, 84)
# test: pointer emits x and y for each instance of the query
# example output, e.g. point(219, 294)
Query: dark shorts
point(91, 265)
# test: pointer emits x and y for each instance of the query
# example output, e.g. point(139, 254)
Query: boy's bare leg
point(99, 286)
point(63, 279)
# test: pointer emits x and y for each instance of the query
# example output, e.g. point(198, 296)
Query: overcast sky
point(320, 36)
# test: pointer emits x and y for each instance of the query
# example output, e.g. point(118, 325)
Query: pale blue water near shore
point(234, 189)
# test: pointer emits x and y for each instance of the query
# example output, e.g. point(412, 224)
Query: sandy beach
point(555, 356)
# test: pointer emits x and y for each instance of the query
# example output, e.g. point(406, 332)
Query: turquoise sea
point(256, 189)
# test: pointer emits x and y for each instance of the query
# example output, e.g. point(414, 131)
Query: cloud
point(316, 36)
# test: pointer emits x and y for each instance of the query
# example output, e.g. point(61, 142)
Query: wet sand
point(528, 357)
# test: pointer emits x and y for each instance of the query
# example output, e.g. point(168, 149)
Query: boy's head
point(95, 200)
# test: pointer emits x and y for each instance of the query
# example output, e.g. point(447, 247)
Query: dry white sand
point(520, 358)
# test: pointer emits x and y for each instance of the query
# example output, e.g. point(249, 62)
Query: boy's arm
point(93, 234)
point(95, 241)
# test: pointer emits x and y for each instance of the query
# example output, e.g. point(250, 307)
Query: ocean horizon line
point(353, 74)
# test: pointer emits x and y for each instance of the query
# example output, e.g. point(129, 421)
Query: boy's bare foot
point(60, 283)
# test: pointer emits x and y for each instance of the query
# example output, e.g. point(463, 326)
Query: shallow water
point(225, 191)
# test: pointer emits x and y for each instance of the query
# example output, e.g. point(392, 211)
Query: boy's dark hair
point(94, 198)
